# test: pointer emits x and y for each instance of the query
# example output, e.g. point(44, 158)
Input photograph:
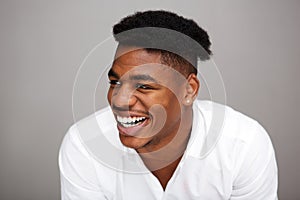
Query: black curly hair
point(181, 48)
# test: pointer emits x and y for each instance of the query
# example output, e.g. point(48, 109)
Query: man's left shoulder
point(234, 124)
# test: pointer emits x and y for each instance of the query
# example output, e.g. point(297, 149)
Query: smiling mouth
point(131, 121)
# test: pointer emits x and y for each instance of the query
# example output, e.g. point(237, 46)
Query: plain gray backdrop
point(42, 44)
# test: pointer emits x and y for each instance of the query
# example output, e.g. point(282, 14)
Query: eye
point(114, 82)
point(143, 86)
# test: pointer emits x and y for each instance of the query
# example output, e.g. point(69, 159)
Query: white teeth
point(129, 121)
point(125, 120)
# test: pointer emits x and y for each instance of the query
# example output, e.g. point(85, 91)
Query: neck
point(164, 174)
point(169, 151)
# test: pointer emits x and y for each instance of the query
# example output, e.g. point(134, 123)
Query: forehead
point(132, 56)
point(137, 61)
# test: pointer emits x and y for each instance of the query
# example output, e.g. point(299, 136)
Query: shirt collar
point(197, 134)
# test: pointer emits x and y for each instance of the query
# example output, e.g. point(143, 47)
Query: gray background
point(42, 43)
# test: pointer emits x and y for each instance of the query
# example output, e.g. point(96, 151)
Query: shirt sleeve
point(257, 176)
point(77, 171)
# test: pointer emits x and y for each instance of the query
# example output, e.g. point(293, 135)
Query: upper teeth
point(129, 119)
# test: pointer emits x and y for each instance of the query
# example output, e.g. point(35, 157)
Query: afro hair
point(179, 40)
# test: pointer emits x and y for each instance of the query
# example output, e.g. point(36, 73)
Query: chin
point(134, 142)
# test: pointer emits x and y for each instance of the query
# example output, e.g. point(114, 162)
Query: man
point(155, 119)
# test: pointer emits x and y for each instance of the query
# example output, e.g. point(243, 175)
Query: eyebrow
point(112, 73)
point(142, 77)
point(138, 77)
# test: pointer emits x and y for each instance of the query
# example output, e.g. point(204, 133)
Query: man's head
point(153, 78)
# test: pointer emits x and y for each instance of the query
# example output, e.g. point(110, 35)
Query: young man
point(156, 121)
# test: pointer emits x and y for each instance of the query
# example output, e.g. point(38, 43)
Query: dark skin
point(165, 174)
point(142, 87)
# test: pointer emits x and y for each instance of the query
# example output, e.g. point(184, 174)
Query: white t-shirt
point(238, 163)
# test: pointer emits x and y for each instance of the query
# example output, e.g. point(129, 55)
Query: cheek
point(168, 101)
point(109, 95)
point(173, 105)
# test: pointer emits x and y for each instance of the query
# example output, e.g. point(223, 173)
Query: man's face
point(145, 97)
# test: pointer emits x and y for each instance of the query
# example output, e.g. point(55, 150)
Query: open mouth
point(128, 122)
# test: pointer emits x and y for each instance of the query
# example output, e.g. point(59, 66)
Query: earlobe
point(187, 102)
point(192, 88)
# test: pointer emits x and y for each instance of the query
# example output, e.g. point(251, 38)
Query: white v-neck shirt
point(238, 163)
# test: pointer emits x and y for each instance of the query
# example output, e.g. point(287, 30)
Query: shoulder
point(81, 174)
point(74, 147)
point(243, 145)
point(87, 127)
point(232, 124)
point(228, 133)
point(78, 161)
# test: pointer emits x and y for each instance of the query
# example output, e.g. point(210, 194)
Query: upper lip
point(130, 114)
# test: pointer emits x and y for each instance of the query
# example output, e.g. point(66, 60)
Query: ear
point(191, 90)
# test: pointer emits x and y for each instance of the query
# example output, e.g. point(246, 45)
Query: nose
point(123, 97)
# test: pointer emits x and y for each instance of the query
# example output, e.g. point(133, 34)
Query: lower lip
point(131, 131)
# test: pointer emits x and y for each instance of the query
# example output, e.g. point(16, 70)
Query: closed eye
point(143, 86)
point(114, 82)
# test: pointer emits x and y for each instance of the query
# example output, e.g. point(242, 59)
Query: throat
point(165, 174)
